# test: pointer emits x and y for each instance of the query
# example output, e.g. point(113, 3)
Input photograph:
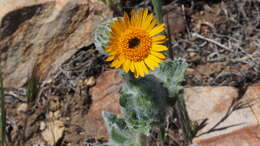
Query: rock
point(22, 108)
point(89, 82)
point(105, 97)
point(209, 69)
point(56, 114)
point(252, 96)
point(247, 136)
point(43, 34)
point(53, 132)
point(54, 103)
point(175, 20)
point(212, 99)
point(42, 125)
point(227, 124)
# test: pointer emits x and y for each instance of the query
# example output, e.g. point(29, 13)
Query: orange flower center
point(135, 44)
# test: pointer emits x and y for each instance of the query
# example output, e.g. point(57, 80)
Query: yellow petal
point(112, 41)
point(110, 58)
point(136, 74)
point(158, 55)
point(113, 53)
point(126, 19)
point(155, 59)
point(151, 26)
point(159, 48)
point(140, 17)
point(150, 63)
point(125, 23)
point(116, 63)
point(115, 32)
point(126, 65)
point(159, 38)
point(158, 29)
point(141, 70)
point(121, 25)
point(145, 13)
point(133, 18)
point(132, 67)
point(137, 69)
point(144, 68)
point(147, 21)
point(115, 27)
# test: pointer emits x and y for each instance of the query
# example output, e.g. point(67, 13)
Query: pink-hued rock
point(239, 128)
point(202, 101)
point(105, 97)
point(247, 136)
point(209, 103)
point(43, 34)
point(252, 96)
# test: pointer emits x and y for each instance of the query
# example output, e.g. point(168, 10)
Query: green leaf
point(117, 136)
point(171, 73)
point(119, 132)
point(102, 35)
point(143, 102)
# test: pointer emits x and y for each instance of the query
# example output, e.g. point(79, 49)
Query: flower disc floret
point(135, 45)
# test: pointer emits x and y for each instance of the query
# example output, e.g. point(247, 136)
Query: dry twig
point(212, 41)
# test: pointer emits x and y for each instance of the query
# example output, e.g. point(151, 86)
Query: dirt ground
point(219, 39)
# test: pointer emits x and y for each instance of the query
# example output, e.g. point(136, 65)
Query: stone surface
point(22, 108)
point(43, 34)
point(252, 96)
point(105, 97)
point(212, 99)
point(248, 136)
point(226, 125)
point(175, 20)
point(53, 132)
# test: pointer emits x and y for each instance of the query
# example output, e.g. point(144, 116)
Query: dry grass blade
point(212, 41)
point(158, 9)
point(32, 94)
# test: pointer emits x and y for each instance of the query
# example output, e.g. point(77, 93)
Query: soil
point(219, 39)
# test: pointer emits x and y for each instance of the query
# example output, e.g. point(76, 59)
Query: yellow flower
point(135, 43)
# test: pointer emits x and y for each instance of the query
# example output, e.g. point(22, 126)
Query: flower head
point(135, 43)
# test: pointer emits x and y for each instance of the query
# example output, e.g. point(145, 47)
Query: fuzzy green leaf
point(171, 73)
point(143, 102)
point(119, 132)
point(102, 35)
